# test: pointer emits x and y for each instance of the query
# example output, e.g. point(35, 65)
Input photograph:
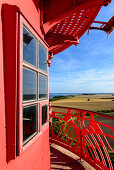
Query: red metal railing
point(88, 134)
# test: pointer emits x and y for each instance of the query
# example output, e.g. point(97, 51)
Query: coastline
point(51, 95)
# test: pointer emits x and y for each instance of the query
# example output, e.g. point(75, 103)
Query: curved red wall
point(37, 155)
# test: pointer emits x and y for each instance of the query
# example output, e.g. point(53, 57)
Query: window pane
point(42, 86)
point(42, 58)
point(44, 114)
point(29, 85)
point(29, 47)
point(30, 123)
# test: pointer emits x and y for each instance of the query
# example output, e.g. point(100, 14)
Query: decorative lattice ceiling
point(69, 30)
point(63, 26)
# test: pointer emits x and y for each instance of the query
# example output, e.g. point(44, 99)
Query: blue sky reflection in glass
point(29, 47)
point(42, 86)
point(42, 58)
point(29, 85)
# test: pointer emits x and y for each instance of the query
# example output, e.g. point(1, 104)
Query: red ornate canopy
point(63, 22)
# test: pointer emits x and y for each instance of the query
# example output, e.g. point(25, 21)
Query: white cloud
point(89, 66)
point(89, 80)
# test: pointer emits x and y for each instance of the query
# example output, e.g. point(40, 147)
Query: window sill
point(35, 138)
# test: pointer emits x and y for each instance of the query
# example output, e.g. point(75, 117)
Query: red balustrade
point(88, 134)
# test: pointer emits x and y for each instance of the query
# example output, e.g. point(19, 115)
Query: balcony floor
point(62, 159)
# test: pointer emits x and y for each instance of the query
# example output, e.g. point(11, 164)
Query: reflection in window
point(42, 86)
point(30, 123)
point(42, 58)
point(44, 114)
point(29, 85)
point(29, 47)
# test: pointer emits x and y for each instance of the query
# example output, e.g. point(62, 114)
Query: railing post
point(50, 121)
point(80, 135)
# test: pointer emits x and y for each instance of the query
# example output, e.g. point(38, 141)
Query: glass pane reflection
point(29, 47)
point(42, 86)
point(42, 58)
point(29, 85)
point(30, 123)
point(44, 114)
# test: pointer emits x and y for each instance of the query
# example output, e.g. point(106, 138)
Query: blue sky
point(88, 67)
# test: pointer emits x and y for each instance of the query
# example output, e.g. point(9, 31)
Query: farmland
point(96, 103)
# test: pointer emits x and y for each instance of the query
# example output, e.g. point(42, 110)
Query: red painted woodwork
point(63, 25)
point(108, 27)
point(65, 9)
point(10, 59)
point(81, 132)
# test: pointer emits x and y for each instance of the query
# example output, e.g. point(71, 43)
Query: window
point(42, 58)
point(29, 47)
point(34, 84)
point(30, 123)
point(42, 86)
point(44, 114)
point(29, 84)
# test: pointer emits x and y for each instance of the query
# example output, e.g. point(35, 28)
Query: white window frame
point(22, 104)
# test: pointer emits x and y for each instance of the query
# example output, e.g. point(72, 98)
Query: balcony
point(87, 134)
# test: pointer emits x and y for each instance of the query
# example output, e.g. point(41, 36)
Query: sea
point(51, 95)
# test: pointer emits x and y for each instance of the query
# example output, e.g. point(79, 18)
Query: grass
point(61, 97)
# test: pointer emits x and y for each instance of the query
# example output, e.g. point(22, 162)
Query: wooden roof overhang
point(63, 22)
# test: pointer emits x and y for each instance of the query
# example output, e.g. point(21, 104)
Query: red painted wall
point(37, 155)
